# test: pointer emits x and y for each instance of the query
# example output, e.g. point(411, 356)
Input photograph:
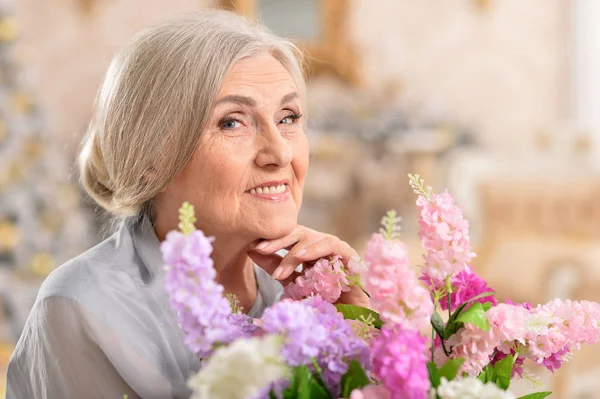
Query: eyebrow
point(237, 99)
point(289, 97)
point(234, 98)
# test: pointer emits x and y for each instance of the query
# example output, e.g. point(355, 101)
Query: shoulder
point(112, 260)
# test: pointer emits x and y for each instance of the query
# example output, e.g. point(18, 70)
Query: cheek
point(219, 168)
point(300, 162)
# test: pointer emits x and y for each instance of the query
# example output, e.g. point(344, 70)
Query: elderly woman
point(208, 109)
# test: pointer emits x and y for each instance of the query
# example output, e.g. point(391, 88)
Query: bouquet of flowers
point(402, 348)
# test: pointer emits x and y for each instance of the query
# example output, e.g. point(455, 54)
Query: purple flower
point(315, 330)
point(399, 363)
point(243, 322)
point(203, 312)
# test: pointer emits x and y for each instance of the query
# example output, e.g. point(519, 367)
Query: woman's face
point(247, 174)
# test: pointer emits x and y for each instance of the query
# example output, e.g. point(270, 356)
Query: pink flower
point(444, 234)
point(400, 363)
point(556, 327)
point(327, 278)
point(395, 291)
point(371, 392)
point(356, 267)
point(507, 325)
point(544, 334)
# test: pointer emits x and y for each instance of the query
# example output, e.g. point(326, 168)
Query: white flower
point(241, 370)
point(471, 388)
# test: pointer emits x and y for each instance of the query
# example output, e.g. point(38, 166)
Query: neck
point(235, 270)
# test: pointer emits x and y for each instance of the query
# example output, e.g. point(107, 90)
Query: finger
point(290, 279)
point(286, 242)
point(266, 262)
point(312, 251)
point(289, 263)
point(355, 297)
point(329, 246)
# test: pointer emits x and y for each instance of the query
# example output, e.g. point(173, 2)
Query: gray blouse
point(102, 327)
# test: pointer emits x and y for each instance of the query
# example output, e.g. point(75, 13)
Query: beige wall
point(502, 72)
point(67, 52)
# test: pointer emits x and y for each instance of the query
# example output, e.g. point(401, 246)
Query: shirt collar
point(147, 244)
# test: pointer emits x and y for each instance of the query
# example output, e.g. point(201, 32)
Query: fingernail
point(301, 252)
point(262, 245)
point(277, 272)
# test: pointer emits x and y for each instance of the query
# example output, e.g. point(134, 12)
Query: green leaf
point(434, 374)
point(450, 368)
point(487, 306)
point(475, 315)
point(310, 388)
point(537, 395)
point(487, 374)
point(452, 327)
point(482, 295)
point(354, 378)
point(438, 324)
point(304, 385)
point(359, 313)
point(503, 369)
point(457, 312)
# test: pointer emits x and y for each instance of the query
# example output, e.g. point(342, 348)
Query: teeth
point(269, 190)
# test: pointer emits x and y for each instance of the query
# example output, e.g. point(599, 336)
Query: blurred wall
point(69, 51)
point(500, 67)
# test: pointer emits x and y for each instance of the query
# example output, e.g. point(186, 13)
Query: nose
point(274, 150)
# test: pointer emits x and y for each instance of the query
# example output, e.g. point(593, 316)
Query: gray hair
point(155, 101)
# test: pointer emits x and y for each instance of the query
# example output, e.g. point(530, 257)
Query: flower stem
point(449, 293)
point(432, 342)
point(319, 375)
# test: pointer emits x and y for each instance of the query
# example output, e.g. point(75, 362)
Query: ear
point(150, 178)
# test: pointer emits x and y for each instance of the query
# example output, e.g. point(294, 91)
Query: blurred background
point(496, 100)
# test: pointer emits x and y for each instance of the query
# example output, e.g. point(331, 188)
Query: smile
point(277, 189)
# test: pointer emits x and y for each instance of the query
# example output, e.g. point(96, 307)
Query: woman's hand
point(305, 246)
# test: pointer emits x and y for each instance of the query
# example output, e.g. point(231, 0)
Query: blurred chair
point(541, 240)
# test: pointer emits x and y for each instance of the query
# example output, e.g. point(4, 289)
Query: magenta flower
point(371, 392)
point(399, 362)
point(465, 285)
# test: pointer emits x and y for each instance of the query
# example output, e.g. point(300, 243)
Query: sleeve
point(59, 356)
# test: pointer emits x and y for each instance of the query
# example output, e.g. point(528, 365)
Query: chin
point(277, 227)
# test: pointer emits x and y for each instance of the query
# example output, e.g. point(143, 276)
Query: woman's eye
point(290, 119)
point(230, 124)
